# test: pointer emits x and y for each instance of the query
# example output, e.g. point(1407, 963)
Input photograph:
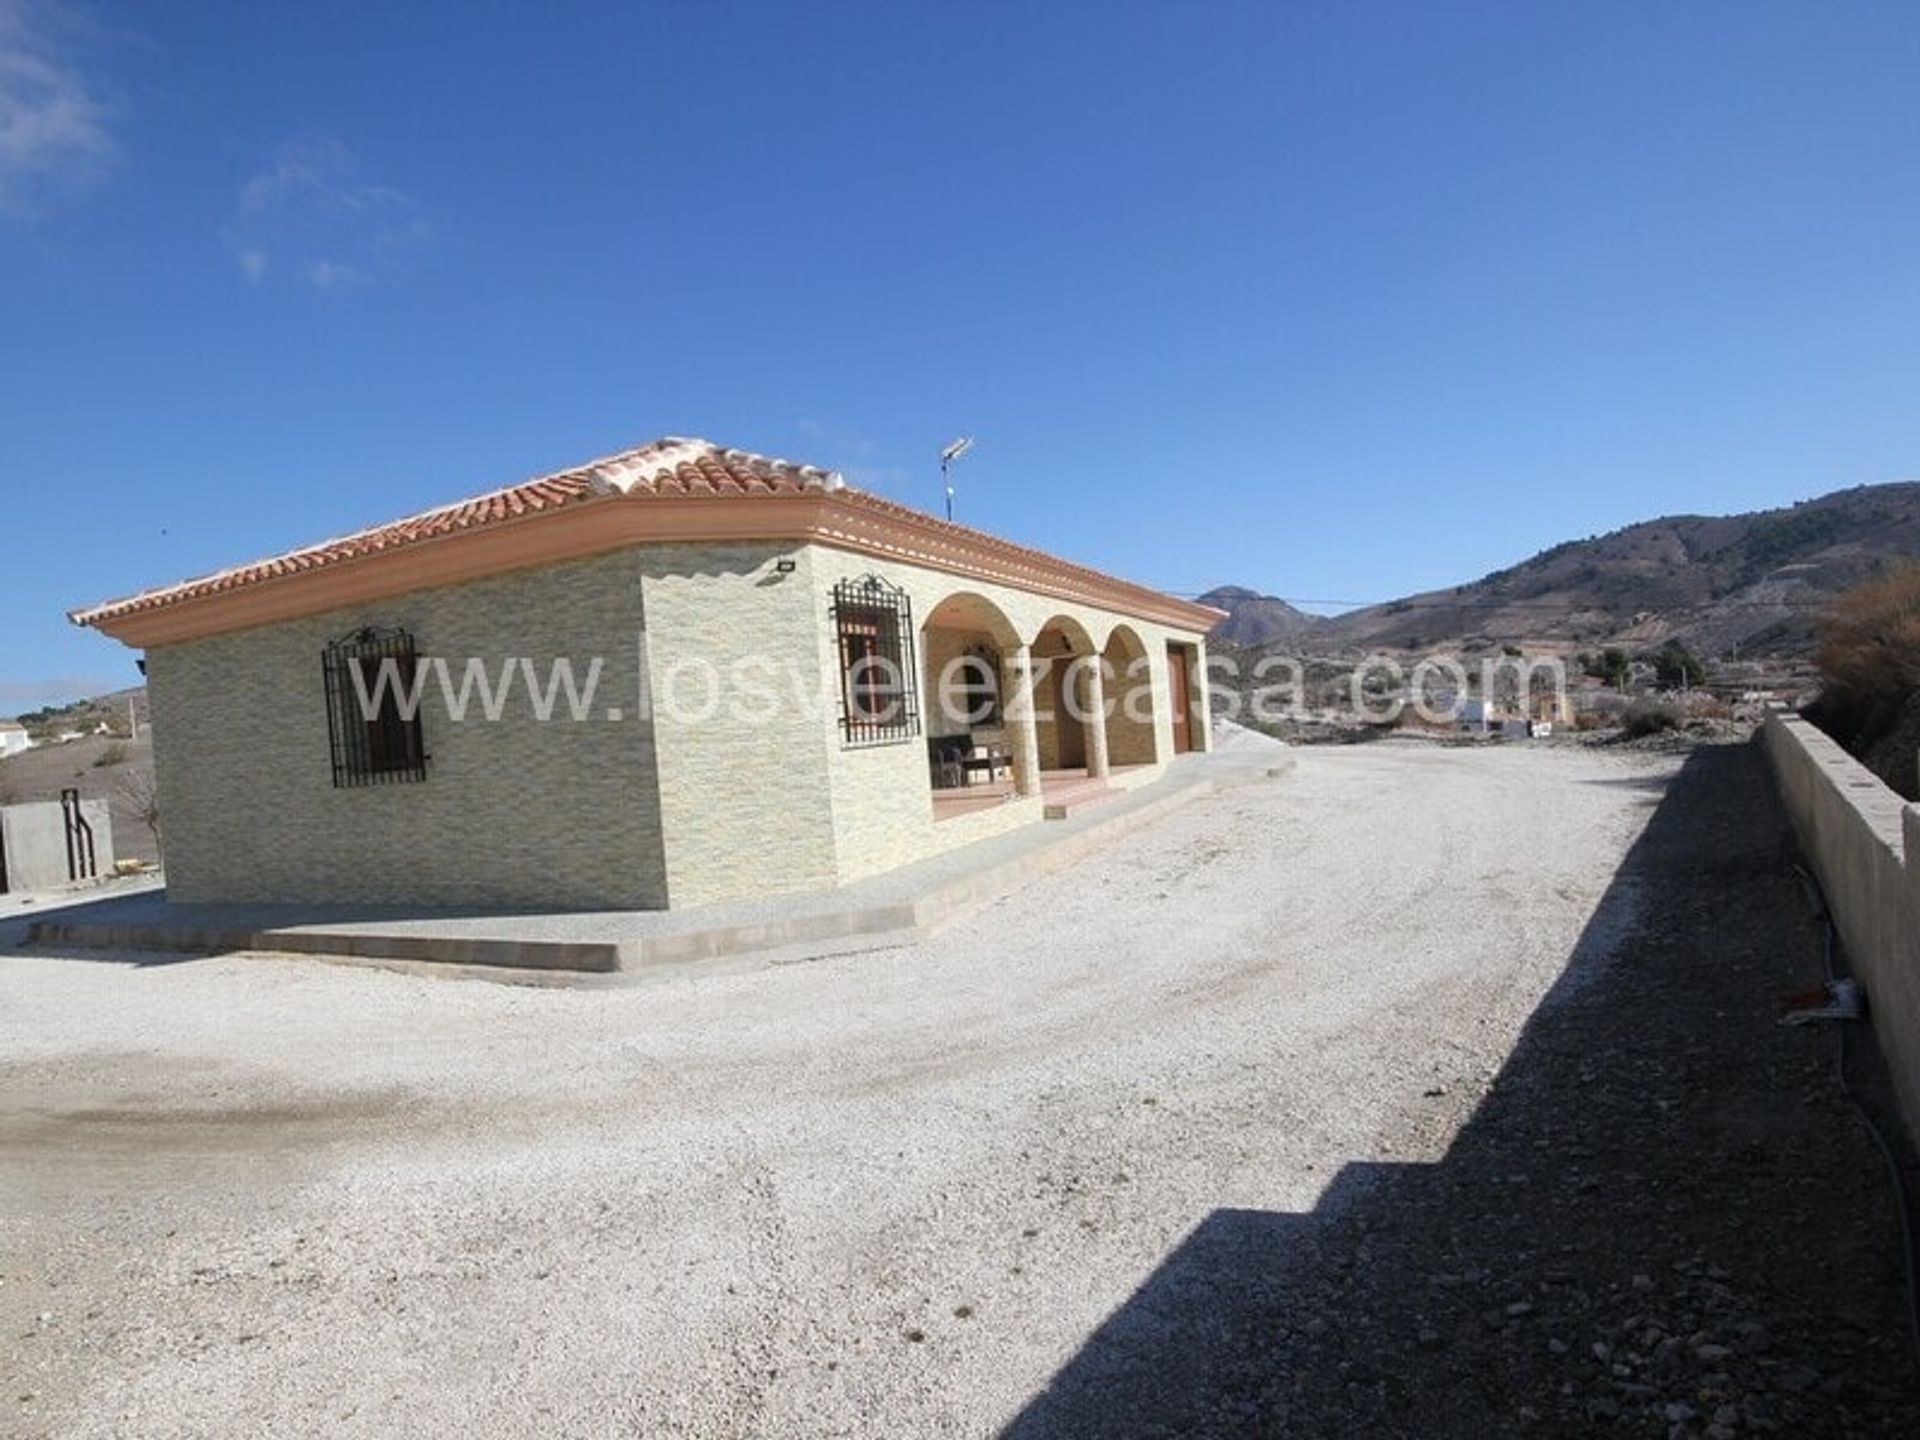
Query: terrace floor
point(1062, 789)
point(574, 941)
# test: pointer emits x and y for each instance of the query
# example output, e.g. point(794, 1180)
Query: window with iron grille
point(879, 686)
point(373, 716)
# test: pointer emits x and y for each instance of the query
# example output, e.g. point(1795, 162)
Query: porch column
point(1025, 734)
point(1096, 721)
point(1202, 721)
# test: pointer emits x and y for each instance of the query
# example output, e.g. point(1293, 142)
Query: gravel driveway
point(889, 1193)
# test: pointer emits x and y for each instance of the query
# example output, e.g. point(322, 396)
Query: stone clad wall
point(882, 796)
point(744, 795)
point(1863, 841)
point(1134, 727)
point(511, 812)
point(669, 804)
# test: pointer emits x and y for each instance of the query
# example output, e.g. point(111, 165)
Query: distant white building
point(13, 738)
point(1484, 717)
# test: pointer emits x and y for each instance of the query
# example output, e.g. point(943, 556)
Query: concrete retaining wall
point(1857, 834)
point(33, 840)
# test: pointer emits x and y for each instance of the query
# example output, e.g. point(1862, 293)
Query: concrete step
point(370, 944)
point(610, 950)
point(1065, 803)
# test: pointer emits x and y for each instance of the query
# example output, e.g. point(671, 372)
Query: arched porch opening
point(1132, 735)
point(1065, 702)
point(969, 649)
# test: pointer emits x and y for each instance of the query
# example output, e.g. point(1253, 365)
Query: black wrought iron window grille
point(879, 683)
point(373, 708)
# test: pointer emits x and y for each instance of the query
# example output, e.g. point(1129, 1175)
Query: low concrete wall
point(33, 840)
point(1857, 834)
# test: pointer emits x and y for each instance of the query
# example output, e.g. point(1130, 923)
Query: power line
point(1565, 607)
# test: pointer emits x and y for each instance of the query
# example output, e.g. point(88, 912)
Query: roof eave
point(846, 518)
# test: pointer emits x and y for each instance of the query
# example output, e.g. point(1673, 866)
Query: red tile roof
point(683, 469)
point(672, 466)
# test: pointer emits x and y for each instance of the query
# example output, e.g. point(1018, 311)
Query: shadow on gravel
point(1653, 784)
point(18, 917)
point(1661, 1219)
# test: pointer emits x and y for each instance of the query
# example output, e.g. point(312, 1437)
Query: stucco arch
point(966, 640)
point(970, 610)
point(1131, 728)
point(1062, 634)
point(1064, 714)
point(1101, 626)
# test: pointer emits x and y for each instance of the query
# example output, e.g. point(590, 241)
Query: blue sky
point(1335, 301)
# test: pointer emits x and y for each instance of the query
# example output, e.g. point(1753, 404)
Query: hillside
point(1746, 585)
point(1254, 620)
point(85, 716)
point(108, 767)
point(99, 767)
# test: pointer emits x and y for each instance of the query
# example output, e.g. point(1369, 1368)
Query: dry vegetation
point(1869, 660)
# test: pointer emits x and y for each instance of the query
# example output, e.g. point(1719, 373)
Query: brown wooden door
point(1180, 693)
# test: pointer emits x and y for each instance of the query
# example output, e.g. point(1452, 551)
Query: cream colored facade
point(705, 742)
point(711, 762)
point(513, 812)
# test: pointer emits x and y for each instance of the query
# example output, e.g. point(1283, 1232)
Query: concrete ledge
point(722, 940)
point(185, 940)
point(1067, 809)
point(1860, 836)
point(368, 945)
point(448, 949)
point(894, 906)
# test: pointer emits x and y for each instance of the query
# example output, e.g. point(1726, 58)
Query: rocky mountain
point(1254, 619)
point(1734, 585)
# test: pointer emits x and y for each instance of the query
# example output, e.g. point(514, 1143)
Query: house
point(676, 675)
point(13, 738)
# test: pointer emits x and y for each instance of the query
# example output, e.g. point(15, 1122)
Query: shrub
point(138, 794)
point(1869, 655)
point(1869, 663)
point(1705, 705)
point(1648, 717)
point(1610, 665)
point(114, 754)
point(1676, 666)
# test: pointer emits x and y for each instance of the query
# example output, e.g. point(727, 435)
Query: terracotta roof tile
point(672, 466)
point(676, 468)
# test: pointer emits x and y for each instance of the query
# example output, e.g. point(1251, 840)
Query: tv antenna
point(947, 456)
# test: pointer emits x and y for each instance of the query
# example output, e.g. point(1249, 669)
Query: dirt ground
point(1424, 1092)
point(98, 768)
